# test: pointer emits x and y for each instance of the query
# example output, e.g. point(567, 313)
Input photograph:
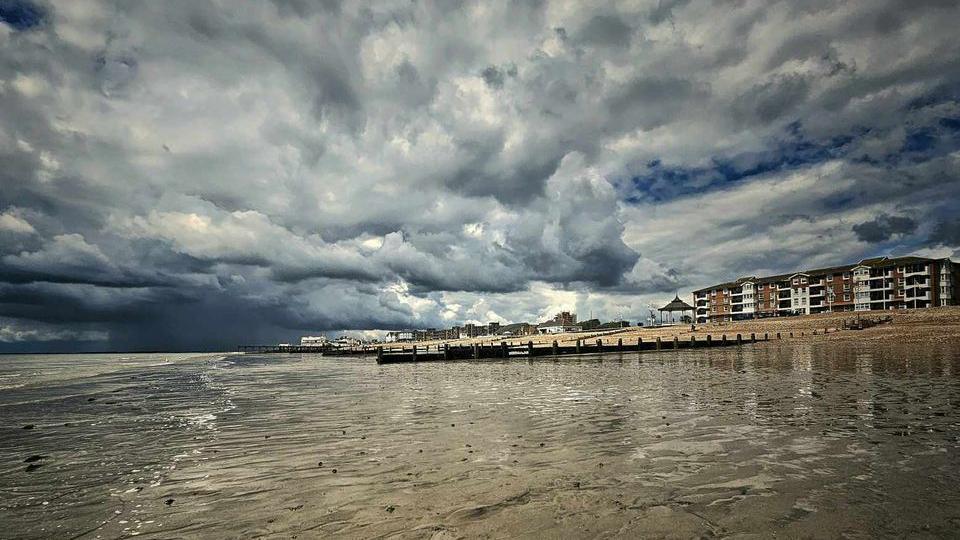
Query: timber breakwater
point(478, 351)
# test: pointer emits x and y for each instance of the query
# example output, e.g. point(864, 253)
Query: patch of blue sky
point(21, 14)
point(658, 182)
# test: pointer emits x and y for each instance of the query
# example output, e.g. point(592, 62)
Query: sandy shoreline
point(920, 325)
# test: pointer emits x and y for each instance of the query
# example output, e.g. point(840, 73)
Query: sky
point(187, 175)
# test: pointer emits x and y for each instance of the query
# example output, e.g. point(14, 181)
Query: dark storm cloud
point(883, 227)
point(492, 76)
point(606, 30)
point(185, 174)
point(771, 100)
point(946, 233)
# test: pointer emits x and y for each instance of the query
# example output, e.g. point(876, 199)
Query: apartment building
point(871, 284)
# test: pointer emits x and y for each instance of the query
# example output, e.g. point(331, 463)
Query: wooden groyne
point(398, 353)
point(477, 351)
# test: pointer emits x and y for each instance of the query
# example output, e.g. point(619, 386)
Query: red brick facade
point(882, 283)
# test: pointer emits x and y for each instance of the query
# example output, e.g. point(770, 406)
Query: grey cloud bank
point(185, 175)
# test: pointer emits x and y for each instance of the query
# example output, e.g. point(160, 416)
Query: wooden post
point(778, 335)
point(578, 346)
point(693, 342)
point(503, 349)
point(620, 344)
point(723, 339)
point(709, 340)
point(414, 353)
point(599, 345)
point(476, 351)
point(555, 347)
point(766, 337)
point(446, 351)
point(530, 348)
point(639, 343)
point(379, 354)
point(753, 337)
point(658, 343)
point(676, 343)
point(739, 339)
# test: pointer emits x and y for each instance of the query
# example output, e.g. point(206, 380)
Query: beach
point(925, 325)
point(814, 437)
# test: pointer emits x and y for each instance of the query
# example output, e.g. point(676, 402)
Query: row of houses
point(342, 342)
point(468, 330)
point(564, 321)
point(878, 283)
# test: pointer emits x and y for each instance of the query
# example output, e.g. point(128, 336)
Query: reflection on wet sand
point(792, 439)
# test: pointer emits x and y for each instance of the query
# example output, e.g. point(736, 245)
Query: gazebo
point(675, 305)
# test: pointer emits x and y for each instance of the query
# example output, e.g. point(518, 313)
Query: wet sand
point(786, 439)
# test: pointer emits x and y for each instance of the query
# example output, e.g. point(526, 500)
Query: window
point(846, 286)
point(846, 298)
point(846, 275)
point(829, 277)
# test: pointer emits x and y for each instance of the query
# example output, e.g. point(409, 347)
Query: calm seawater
point(775, 439)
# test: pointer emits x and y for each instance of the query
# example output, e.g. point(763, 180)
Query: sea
point(777, 439)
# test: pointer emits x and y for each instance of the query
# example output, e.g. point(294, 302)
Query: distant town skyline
point(196, 175)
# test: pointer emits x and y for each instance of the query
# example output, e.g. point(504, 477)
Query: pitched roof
point(677, 305)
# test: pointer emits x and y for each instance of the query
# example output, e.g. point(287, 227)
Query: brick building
point(871, 284)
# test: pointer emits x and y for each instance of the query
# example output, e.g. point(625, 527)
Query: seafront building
point(560, 323)
point(872, 284)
